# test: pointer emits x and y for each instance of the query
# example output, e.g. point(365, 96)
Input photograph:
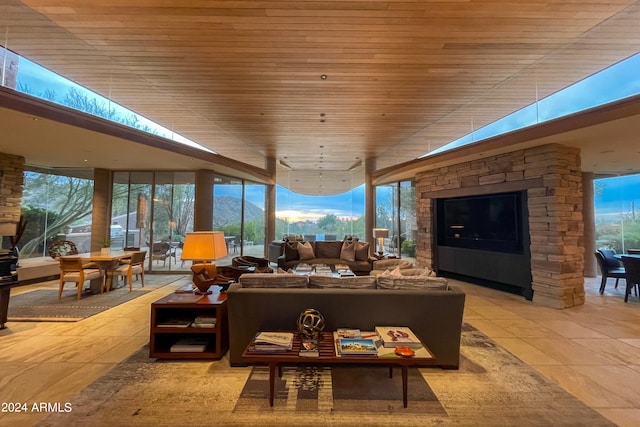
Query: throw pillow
point(305, 251)
point(362, 251)
point(348, 251)
point(291, 251)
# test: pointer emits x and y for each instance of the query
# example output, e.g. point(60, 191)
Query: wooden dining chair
point(129, 267)
point(74, 270)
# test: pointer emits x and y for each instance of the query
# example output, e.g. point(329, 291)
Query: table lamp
point(380, 234)
point(201, 247)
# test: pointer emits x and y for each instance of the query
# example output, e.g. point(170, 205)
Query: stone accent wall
point(11, 182)
point(552, 176)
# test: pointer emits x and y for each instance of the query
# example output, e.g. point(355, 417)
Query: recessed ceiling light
point(323, 76)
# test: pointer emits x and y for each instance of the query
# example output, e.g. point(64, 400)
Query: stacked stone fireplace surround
point(552, 177)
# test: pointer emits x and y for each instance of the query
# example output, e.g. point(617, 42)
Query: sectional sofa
point(274, 301)
point(330, 252)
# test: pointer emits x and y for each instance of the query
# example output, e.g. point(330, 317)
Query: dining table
point(106, 261)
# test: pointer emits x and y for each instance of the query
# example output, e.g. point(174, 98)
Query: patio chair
point(160, 251)
point(606, 271)
point(632, 274)
point(74, 270)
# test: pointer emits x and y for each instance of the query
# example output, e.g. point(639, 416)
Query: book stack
point(189, 345)
point(323, 269)
point(309, 348)
point(204, 321)
point(303, 268)
point(393, 336)
point(273, 341)
point(174, 323)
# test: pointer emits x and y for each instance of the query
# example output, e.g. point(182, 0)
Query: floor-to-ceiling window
point(320, 217)
point(396, 212)
point(617, 220)
point(155, 210)
point(227, 211)
point(254, 219)
point(56, 207)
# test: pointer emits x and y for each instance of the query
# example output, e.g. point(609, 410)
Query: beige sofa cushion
point(270, 280)
point(358, 282)
point(389, 264)
point(411, 279)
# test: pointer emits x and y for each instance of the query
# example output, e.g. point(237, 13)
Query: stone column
point(11, 185)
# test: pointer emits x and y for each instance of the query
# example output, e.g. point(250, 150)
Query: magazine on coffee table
point(393, 336)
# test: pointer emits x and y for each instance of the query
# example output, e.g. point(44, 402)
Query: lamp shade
point(204, 246)
point(380, 232)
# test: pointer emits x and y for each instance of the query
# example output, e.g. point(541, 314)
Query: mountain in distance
point(227, 209)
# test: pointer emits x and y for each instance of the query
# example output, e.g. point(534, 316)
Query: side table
point(186, 307)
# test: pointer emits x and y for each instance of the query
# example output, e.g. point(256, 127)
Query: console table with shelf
point(186, 307)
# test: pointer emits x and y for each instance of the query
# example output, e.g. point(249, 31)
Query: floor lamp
point(380, 234)
point(201, 247)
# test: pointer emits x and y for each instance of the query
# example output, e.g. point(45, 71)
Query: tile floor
point(591, 351)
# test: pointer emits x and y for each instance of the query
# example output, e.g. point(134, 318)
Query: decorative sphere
point(310, 323)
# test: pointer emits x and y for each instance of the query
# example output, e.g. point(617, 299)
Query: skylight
point(40, 82)
point(616, 82)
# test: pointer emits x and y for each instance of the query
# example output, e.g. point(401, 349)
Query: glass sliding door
point(407, 220)
point(154, 211)
point(396, 211)
point(129, 209)
point(386, 216)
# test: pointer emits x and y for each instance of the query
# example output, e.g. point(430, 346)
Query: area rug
point(492, 387)
point(43, 305)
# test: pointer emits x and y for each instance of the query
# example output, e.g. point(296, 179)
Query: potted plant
point(106, 247)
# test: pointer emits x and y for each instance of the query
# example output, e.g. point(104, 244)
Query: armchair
point(207, 275)
point(261, 264)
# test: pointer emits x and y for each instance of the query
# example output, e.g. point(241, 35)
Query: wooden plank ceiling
point(247, 78)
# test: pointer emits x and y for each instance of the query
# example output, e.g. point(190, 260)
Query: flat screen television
point(488, 222)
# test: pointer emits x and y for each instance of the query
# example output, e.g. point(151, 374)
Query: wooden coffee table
point(328, 357)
